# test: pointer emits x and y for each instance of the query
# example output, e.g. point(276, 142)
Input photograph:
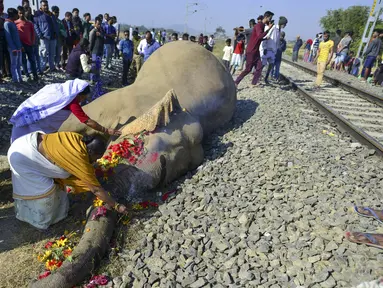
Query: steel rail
point(371, 97)
point(354, 131)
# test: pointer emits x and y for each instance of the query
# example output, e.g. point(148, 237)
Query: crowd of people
point(335, 53)
point(261, 45)
point(33, 44)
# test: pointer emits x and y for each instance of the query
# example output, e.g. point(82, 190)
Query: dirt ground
point(19, 241)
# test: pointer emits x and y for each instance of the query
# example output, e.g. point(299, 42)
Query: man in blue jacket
point(126, 47)
point(47, 30)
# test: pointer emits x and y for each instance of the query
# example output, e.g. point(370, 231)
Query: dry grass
point(20, 242)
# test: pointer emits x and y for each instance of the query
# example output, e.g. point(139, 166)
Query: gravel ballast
point(268, 207)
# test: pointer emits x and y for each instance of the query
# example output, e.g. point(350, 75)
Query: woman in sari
point(307, 50)
point(47, 110)
point(43, 165)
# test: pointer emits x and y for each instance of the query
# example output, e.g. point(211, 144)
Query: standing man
point(325, 53)
point(106, 19)
point(148, 46)
point(342, 51)
point(77, 26)
point(47, 30)
point(61, 39)
point(296, 48)
point(314, 48)
point(96, 47)
point(273, 44)
point(278, 57)
point(336, 41)
point(2, 41)
point(137, 58)
point(116, 26)
point(70, 39)
point(126, 47)
point(371, 53)
point(211, 42)
point(27, 37)
point(110, 35)
point(14, 44)
point(86, 25)
point(247, 34)
point(253, 57)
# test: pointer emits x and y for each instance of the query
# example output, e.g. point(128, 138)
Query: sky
point(303, 15)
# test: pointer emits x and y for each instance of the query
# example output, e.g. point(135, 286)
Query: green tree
point(353, 19)
point(220, 32)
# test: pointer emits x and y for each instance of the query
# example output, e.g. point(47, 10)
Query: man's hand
point(122, 209)
point(114, 132)
point(98, 34)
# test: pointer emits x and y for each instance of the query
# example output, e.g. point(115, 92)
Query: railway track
point(358, 112)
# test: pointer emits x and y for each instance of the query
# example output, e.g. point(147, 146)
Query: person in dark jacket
point(69, 40)
point(278, 57)
point(296, 48)
point(96, 47)
point(47, 30)
point(77, 25)
point(78, 61)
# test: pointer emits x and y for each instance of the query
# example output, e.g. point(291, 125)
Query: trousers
point(253, 59)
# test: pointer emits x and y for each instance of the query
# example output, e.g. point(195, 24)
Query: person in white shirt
point(211, 42)
point(116, 26)
point(228, 51)
point(271, 45)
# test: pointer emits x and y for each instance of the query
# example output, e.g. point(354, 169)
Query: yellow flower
point(137, 207)
point(83, 222)
point(97, 202)
point(47, 253)
point(88, 230)
point(61, 243)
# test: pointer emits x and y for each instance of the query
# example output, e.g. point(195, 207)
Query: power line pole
point(376, 11)
point(188, 5)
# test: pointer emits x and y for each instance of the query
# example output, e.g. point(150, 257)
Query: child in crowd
point(126, 48)
point(348, 62)
point(206, 44)
point(228, 51)
point(239, 49)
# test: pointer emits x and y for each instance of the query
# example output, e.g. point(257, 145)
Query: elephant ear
point(158, 115)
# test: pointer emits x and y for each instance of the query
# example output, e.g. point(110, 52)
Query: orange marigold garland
point(56, 252)
point(127, 150)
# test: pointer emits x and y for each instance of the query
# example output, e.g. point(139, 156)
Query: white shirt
point(84, 63)
point(142, 46)
point(211, 42)
point(228, 51)
point(271, 44)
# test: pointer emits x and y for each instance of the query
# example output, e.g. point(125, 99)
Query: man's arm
point(330, 55)
point(92, 37)
point(36, 21)
point(8, 36)
point(316, 57)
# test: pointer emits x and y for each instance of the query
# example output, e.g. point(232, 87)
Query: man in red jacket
point(253, 57)
point(27, 37)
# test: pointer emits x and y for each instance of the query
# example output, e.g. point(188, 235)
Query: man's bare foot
point(369, 212)
point(374, 240)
